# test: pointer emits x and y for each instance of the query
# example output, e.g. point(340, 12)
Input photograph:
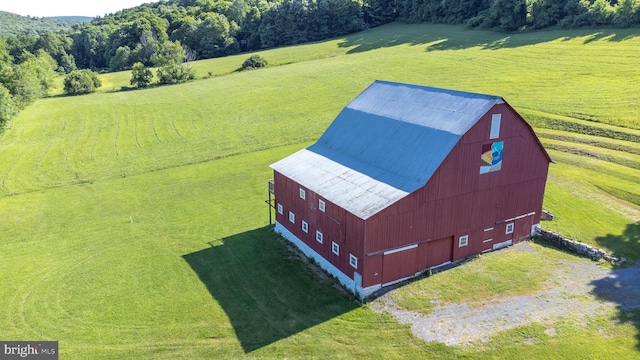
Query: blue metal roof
point(385, 144)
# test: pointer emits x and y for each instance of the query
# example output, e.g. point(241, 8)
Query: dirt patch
point(578, 289)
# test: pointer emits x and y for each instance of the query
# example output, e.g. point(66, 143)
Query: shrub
point(254, 62)
point(81, 82)
point(174, 73)
point(140, 75)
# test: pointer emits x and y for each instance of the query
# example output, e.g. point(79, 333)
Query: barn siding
point(372, 270)
point(334, 223)
point(458, 200)
point(399, 265)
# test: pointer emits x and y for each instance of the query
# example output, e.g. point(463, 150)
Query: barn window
point(509, 229)
point(463, 241)
point(319, 236)
point(292, 217)
point(321, 205)
point(280, 209)
point(335, 248)
point(353, 261)
point(303, 194)
point(305, 226)
point(495, 126)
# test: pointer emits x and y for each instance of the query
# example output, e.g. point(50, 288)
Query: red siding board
point(335, 223)
point(436, 252)
point(372, 273)
point(399, 265)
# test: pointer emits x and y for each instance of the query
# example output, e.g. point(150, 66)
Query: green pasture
point(135, 224)
point(482, 279)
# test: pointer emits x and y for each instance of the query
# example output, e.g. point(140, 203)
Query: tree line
point(514, 15)
point(11, 24)
point(162, 33)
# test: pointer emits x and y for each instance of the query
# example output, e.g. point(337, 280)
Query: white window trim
point(319, 236)
point(321, 205)
point(463, 241)
point(353, 261)
point(495, 126)
point(509, 228)
point(303, 194)
point(305, 226)
point(292, 217)
point(335, 248)
point(280, 209)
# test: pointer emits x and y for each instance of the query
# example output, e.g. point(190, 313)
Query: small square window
point(292, 217)
point(509, 229)
point(335, 248)
point(321, 205)
point(319, 236)
point(463, 241)
point(303, 194)
point(353, 261)
point(305, 226)
point(280, 209)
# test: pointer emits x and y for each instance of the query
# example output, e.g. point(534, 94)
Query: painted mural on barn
point(491, 158)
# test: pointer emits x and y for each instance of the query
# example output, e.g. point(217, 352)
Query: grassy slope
point(188, 164)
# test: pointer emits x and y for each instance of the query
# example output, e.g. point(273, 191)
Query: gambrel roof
point(386, 144)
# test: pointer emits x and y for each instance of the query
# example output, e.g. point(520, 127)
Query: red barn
point(408, 178)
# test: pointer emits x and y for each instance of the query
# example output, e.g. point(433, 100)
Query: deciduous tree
point(8, 108)
point(170, 59)
point(81, 82)
point(140, 75)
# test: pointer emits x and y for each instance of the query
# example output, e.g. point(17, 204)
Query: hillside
point(134, 223)
point(71, 19)
point(12, 24)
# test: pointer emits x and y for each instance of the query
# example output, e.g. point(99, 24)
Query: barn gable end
point(403, 173)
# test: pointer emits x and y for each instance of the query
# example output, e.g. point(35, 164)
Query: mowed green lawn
point(135, 224)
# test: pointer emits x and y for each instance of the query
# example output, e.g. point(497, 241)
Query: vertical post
point(270, 220)
point(270, 201)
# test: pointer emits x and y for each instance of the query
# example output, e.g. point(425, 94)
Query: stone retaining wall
point(578, 247)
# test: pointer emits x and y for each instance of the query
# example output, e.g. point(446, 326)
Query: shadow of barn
point(266, 289)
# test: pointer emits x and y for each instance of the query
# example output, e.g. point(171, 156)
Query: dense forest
point(201, 29)
point(12, 24)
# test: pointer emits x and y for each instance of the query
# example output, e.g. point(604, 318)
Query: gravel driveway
point(579, 289)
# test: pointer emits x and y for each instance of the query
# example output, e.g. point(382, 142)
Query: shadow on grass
point(452, 37)
point(267, 290)
point(622, 286)
point(627, 244)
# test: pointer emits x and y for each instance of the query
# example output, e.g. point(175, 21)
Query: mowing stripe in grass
point(558, 122)
point(602, 142)
point(623, 158)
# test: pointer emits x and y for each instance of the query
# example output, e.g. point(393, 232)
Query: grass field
point(135, 224)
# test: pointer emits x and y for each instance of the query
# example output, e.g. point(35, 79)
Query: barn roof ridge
point(439, 89)
point(381, 147)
